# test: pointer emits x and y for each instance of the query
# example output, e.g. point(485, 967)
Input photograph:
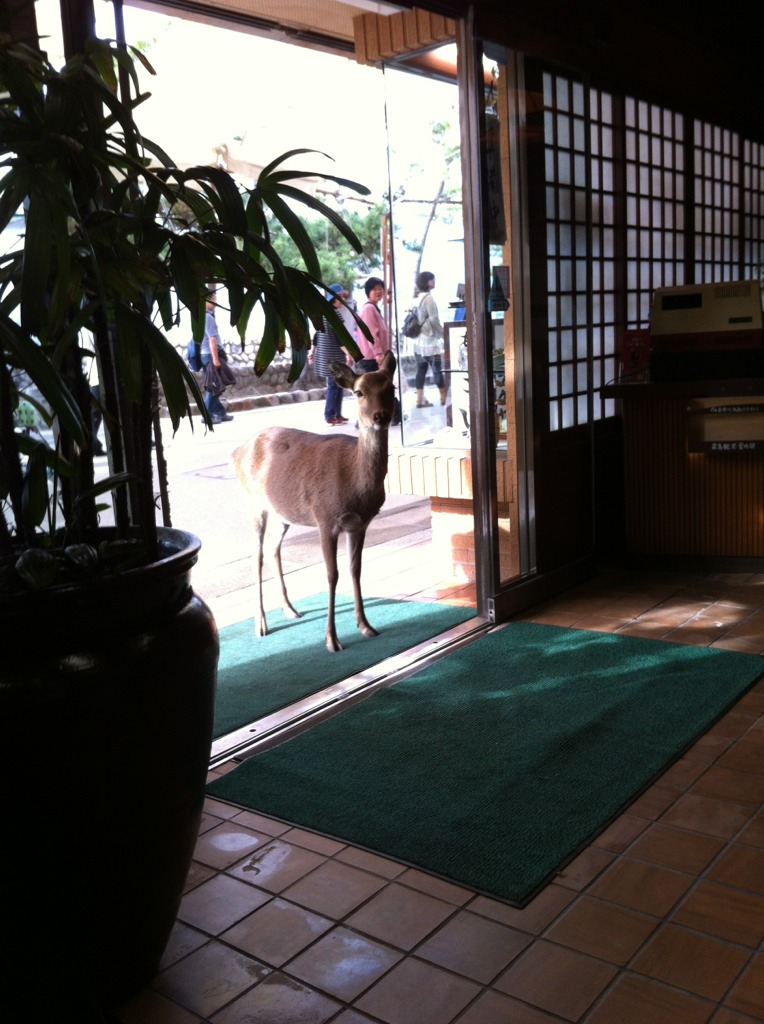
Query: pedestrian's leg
point(214, 407)
point(440, 380)
point(421, 373)
point(338, 401)
point(218, 409)
point(329, 401)
point(333, 406)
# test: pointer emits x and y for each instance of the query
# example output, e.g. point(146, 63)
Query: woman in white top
point(428, 347)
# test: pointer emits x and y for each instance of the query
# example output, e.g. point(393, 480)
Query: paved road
point(206, 498)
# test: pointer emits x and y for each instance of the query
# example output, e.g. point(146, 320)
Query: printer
point(707, 332)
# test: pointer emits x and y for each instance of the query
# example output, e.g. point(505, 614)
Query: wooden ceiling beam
point(379, 38)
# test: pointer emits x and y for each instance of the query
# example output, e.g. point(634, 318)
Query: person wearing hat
point(326, 347)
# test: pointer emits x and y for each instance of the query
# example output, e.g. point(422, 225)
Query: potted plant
point(109, 662)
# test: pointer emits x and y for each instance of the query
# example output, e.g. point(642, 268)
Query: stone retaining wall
point(273, 388)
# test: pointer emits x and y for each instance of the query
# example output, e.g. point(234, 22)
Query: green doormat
point(260, 675)
point(494, 766)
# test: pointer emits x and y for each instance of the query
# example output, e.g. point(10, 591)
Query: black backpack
point(412, 328)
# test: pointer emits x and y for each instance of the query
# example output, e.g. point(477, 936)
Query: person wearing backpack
point(428, 346)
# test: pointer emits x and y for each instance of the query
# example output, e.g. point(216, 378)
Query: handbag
point(216, 379)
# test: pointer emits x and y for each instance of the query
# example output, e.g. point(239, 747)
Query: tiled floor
point(659, 921)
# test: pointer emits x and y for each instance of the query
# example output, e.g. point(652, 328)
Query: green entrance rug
point(494, 766)
point(260, 675)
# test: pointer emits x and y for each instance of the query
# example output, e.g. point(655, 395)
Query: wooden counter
point(694, 472)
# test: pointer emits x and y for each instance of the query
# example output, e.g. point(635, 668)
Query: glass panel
point(426, 269)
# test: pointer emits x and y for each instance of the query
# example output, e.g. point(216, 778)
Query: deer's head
point(374, 391)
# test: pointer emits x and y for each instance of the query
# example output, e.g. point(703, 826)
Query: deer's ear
point(343, 374)
point(388, 364)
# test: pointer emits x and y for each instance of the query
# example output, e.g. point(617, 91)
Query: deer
point(334, 482)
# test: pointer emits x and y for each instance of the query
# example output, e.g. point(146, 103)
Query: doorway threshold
point(295, 718)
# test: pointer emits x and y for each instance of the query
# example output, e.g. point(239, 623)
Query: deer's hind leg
point(274, 537)
point(260, 523)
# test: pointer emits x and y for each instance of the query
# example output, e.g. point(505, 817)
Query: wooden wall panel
point(446, 478)
point(686, 503)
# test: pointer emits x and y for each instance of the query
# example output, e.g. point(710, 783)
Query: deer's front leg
point(329, 549)
point(356, 539)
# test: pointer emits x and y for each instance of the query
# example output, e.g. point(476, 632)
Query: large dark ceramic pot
point(106, 714)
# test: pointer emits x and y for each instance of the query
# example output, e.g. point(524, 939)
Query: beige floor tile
point(495, 1008)
point(533, 918)
point(557, 980)
point(334, 889)
point(675, 848)
point(742, 867)
point(747, 755)
point(742, 787)
point(256, 822)
point(728, 1016)
point(707, 815)
point(210, 978)
point(699, 964)
point(183, 940)
point(276, 865)
point(343, 963)
point(646, 887)
point(197, 874)
point(618, 836)
point(222, 846)
point(353, 1017)
point(278, 999)
point(473, 946)
point(312, 841)
point(277, 932)
point(604, 930)
point(748, 993)
point(683, 773)
point(654, 802)
point(753, 833)
point(218, 903)
point(584, 868)
point(418, 993)
point(372, 862)
point(440, 888)
point(400, 916)
point(725, 912)
point(635, 1000)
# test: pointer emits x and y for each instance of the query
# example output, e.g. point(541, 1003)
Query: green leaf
point(272, 340)
point(35, 496)
point(296, 229)
point(326, 211)
point(31, 358)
